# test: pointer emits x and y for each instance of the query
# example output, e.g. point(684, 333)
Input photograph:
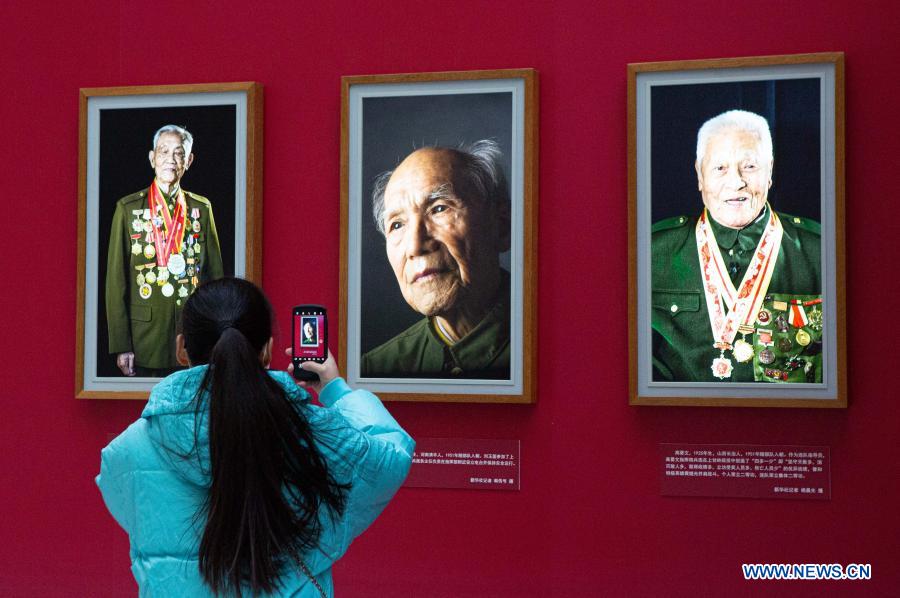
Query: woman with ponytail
point(232, 482)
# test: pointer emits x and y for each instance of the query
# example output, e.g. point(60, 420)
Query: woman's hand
point(327, 371)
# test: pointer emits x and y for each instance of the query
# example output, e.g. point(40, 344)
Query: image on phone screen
point(309, 342)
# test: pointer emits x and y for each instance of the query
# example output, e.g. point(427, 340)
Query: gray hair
point(735, 119)
point(481, 168)
point(186, 138)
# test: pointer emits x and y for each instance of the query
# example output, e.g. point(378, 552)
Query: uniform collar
point(478, 349)
point(746, 238)
point(172, 192)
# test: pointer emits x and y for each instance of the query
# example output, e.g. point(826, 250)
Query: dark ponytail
point(268, 478)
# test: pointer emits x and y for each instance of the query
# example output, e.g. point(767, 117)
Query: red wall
point(589, 519)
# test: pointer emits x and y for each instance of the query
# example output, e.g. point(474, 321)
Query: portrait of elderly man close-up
point(445, 217)
point(737, 290)
point(163, 243)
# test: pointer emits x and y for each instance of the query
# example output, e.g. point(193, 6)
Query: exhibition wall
point(589, 518)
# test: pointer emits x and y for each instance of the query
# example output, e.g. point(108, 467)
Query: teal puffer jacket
point(155, 493)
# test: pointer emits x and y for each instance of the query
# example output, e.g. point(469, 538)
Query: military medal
point(743, 351)
point(766, 356)
point(197, 248)
point(784, 344)
point(182, 291)
point(145, 291)
point(196, 226)
point(136, 248)
point(743, 302)
point(764, 317)
point(815, 319)
point(149, 251)
point(168, 290)
point(764, 337)
point(147, 226)
point(140, 279)
point(781, 323)
point(803, 338)
point(721, 367)
point(151, 277)
point(136, 225)
point(176, 264)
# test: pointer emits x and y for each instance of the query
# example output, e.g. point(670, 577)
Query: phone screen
point(309, 334)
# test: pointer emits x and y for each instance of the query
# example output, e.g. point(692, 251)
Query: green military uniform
point(420, 352)
point(682, 336)
point(144, 321)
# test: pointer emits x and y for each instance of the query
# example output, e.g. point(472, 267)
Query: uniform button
point(456, 371)
point(681, 220)
point(674, 308)
point(796, 220)
point(731, 252)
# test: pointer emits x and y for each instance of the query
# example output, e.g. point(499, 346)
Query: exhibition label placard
point(745, 471)
point(466, 463)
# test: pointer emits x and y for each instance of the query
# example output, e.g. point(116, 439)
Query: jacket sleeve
point(116, 479)
point(383, 455)
point(117, 298)
point(214, 268)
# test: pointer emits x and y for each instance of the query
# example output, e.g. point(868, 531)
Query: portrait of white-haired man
point(163, 243)
point(444, 213)
point(736, 290)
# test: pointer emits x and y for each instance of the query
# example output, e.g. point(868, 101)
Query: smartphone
point(309, 331)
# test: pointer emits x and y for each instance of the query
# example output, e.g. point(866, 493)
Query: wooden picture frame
point(117, 126)
point(790, 358)
point(384, 119)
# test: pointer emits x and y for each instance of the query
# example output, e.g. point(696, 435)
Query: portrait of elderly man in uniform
point(445, 216)
point(310, 337)
point(736, 291)
point(163, 243)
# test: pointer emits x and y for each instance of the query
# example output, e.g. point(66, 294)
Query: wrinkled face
point(169, 159)
point(443, 241)
point(734, 177)
point(308, 330)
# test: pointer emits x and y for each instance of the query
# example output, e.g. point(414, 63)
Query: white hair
point(481, 167)
point(735, 119)
point(186, 138)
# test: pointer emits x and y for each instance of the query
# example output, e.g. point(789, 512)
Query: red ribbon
point(798, 314)
point(174, 224)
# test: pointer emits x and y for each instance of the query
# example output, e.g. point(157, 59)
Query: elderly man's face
point(443, 242)
point(308, 330)
point(734, 177)
point(168, 158)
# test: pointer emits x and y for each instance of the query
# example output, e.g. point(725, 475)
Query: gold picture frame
point(802, 98)
point(116, 129)
point(383, 119)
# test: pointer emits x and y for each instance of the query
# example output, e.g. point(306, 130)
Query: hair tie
point(224, 325)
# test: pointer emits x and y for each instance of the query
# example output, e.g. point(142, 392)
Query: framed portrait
point(169, 196)
point(736, 232)
point(439, 235)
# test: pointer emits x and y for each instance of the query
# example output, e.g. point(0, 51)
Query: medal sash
point(743, 302)
point(173, 223)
